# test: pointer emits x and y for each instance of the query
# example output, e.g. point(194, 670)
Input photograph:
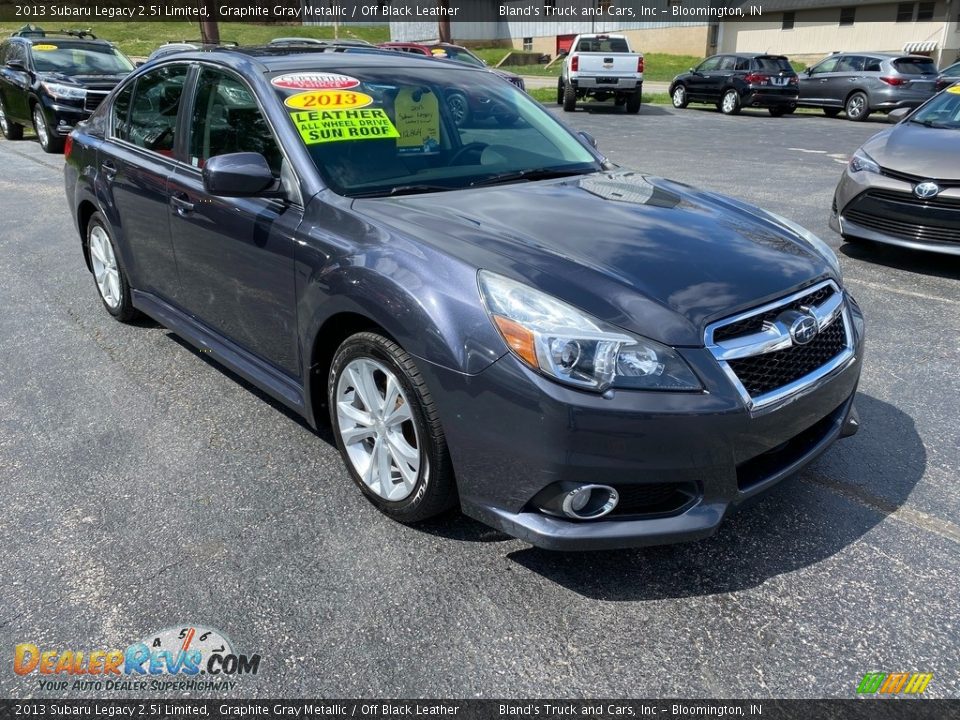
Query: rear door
point(15, 84)
point(717, 80)
point(235, 255)
point(135, 166)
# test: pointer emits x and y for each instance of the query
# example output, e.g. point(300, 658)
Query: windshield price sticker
point(955, 90)
point(418, 121)
point(314, 81)
point(328, 100)
point(320, 126)
point(45, 48)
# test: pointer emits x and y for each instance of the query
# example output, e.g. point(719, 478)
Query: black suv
point(53, 81)
point(732, 82)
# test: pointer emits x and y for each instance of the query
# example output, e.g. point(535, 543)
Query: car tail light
point(575, 63)
point(895, 81)
point(68, 146)
point(640, 64)
point(756, 79)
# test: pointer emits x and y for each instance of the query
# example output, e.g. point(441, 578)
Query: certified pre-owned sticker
point(314, 81)
point(328, 100)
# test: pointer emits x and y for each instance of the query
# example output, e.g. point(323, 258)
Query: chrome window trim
point(776, 336)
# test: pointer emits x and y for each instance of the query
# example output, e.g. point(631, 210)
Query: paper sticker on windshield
point(328, 100)
point(320, 126)
point(439, 52)
point(418, 121)
point(314, 81)
point(954, 89)
point(44, 48)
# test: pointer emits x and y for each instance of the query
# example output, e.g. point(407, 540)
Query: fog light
point(589, 502)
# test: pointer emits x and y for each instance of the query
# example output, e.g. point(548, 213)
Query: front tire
point(730, 102)
point(569, 99)
point(10, 129)
point(387, 429)
point(108, 273)
point(679, 97)
point(48, 141)
point(857, 107)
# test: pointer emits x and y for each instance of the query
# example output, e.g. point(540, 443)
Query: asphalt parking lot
point(144, 487)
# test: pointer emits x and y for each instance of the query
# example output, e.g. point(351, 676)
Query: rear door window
point(851, 63)
point(871, 65)
point(728, 63)
point(156, 104)
point(915, 66)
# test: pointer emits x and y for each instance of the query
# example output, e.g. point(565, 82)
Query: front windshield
point(943, 112)
point(69, 59)
point(383, 131)
point(458, 54)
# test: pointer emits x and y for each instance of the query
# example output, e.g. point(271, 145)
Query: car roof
point(279, 58)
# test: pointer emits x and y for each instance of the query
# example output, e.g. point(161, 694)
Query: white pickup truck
point(601, 66)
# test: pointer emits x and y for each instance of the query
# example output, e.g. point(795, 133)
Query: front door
point(235, 255)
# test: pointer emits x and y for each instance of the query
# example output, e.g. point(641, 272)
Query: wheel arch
point(853, 92)
point(85, 211)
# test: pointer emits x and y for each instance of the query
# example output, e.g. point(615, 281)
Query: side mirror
point(895, 116)
point(808, 71)
point(591, 140)
point(140, 63)
point(242, 174)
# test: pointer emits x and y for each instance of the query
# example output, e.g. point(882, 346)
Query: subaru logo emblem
point(804, 329)
point(926, 190)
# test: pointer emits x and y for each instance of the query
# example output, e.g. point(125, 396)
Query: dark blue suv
point(492, 317)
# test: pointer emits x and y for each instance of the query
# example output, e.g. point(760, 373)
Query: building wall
point(874, 30)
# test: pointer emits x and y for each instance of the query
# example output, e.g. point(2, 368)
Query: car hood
point(86, 81)
point(647, 254)
point(917, 150)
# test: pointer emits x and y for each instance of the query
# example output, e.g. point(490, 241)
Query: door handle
point(109, 170)
point(181, 205)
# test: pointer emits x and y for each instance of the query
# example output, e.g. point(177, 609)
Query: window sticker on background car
point(44, 48)
point(328, 100)
point(314, 81)
point(954, 90)
point(320, 126)
point(439, 52)
point(418, 121)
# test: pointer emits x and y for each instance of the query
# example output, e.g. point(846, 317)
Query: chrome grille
point(93, 99)
point(760, 356)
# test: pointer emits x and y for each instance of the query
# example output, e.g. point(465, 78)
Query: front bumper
point(62, 118)
point(883, 209)
point(512, 433)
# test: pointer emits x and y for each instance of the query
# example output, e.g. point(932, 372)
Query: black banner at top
point(630, 14)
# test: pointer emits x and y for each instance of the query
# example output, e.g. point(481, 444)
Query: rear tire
point(831, 112)
point(10, 129)
point(569, 99)
point(459, 107)
point(108, 273)
point(730, 102)
point(634, 101)
point(857, 107)
point(777, 111)
point(387, 430)
point(50, 143)
point(559, 91)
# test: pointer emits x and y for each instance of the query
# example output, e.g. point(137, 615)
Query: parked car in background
point(903, 186)
point(497, 319)
point(601, 67)
point(735, 81)
point(948, 76)
point(463, 106)
point(862, 83)
point(174, 46)
point(53, 81)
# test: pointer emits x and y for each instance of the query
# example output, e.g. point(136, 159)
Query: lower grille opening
point(758, 469)
point(654, 498)
point(765, 373)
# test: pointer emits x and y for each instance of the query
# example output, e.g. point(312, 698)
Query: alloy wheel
point(729, 102)
point(4, 127)
point(105, 267)
point(376, 426)
point(40, 127)
point(679, 96)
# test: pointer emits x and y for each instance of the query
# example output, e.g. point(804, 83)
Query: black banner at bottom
point(867, 709)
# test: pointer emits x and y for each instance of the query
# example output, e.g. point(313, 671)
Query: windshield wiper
point(530, 174)
point(931, 124)
point(403, 190)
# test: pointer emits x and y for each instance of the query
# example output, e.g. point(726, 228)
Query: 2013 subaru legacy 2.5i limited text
point(493, 316)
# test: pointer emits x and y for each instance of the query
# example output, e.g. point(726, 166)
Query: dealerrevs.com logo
point(180, 658)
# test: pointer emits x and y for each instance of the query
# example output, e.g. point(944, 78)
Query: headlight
point(808, 237)
point(570, 346)
point(64, 92)
point(861, 162)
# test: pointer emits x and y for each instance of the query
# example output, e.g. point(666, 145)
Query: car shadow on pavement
point(801, 522)
point(918, 261)
point(607, 108)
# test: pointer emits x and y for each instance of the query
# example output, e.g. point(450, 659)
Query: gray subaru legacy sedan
point(491, 316)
